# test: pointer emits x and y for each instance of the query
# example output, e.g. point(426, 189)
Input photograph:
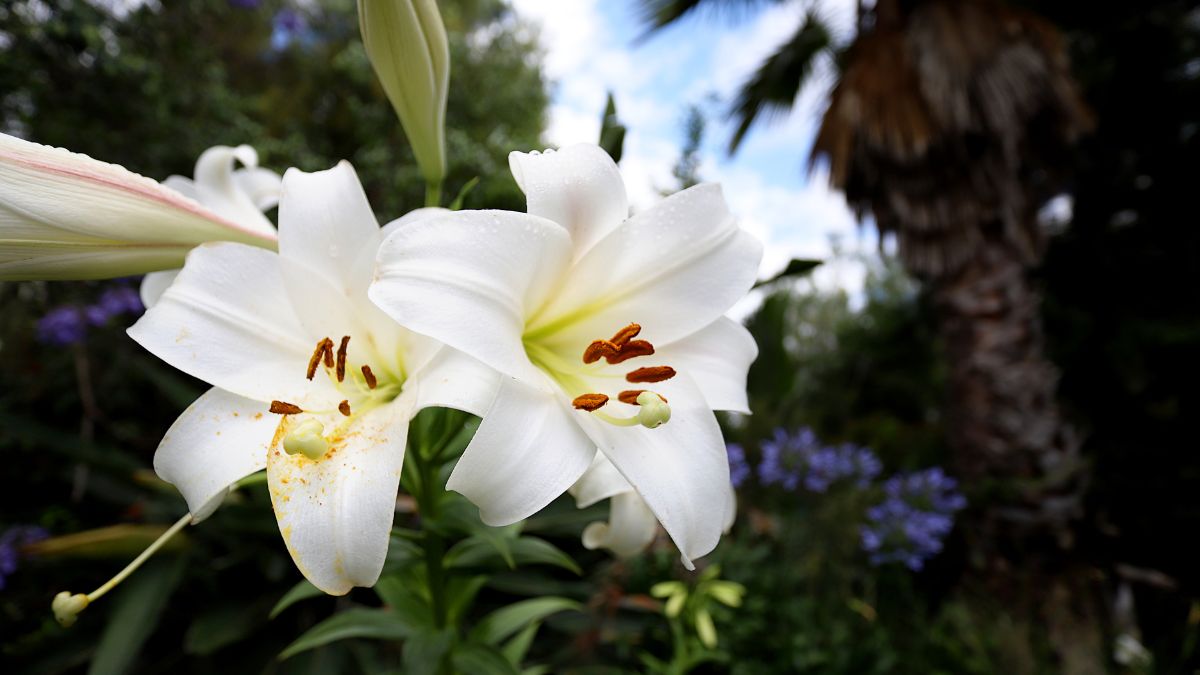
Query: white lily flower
point(67, 216)
point(631, 525)
point(536, 296)
point(310, 380)
point(237, 195)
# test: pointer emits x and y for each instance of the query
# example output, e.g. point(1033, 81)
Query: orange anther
point(651, 374)
point(589, 402)
point(282, 408)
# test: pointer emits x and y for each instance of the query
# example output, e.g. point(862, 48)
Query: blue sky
point(592, 47)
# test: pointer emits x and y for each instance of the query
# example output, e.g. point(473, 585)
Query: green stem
point(434, 545)
point(433, 194)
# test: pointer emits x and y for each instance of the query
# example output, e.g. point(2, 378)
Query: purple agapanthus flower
point(12, 541)
point(739, 468)
point(911, 523)
point(800, 459)
point(64, 325)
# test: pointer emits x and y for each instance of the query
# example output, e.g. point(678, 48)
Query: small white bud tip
point(653, 411)
point(67, 607)
point(307, 439)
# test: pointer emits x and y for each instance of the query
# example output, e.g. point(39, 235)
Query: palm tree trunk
point(1013, 448)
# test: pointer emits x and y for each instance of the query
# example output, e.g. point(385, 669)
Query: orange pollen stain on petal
point(284, 408)
point(626, 334)
point(589, 402)
point(315, 361)
point(341, 358)
point(344, 408)
point(651, 374)
point(369, 377)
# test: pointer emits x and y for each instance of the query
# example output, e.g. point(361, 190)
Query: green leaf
point(796, 267)
point(532, 551)
point(403, 596)
point(612, 132)
point(379, 624)
point(508, 620)
point(460, 593)
point(220, 626)
point(517, 647)
point(424, 651)
point(136, 608)
point(476, 658)
point(705, 629)
point(301, 591)
point(536, 670)
point(463, 192)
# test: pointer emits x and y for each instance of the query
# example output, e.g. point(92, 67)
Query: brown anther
point(630, 396)
point(589, 402)
point(315, 361)
point(369, 377)
point(344, 408)
point(341, 358)
point(328, 352)
point(651, 374)
point(282, 408)
point(626, 334)
point(631, 350)
point(598, 350)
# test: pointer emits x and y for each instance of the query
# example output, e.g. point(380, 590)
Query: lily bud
point(406, 43)
point(67, 216)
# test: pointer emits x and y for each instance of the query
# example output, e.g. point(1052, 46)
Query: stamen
point(328, 353)
point(341, 358)
point(589, 402)
point(626, 334)
point(315, 361)
point(631, 350)
point(599, 349)
point(651, 374)
point(630, 396)
point(344, 408)
point(67, 606)
point(284, 408)
point(369, 377)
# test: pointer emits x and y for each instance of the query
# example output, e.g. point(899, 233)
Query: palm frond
point(774, 86)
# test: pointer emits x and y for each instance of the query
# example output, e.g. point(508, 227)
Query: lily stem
point(434, 545)
point(433, 193)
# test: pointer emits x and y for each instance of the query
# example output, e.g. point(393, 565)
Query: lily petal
point(220, 439)
point(68, 216)
point(717, 358)
point(528, 451)
point(336, 513)
point(261, 185)
point(412, 217)
point(227, 319)
point(680, 468)
point(451, 379)
point(326, 224)
point(630, 529)
point(442, 278)
point(218, 187)
point(601, 481)
point(674, 269)
point(154, 285)
point(578, 187)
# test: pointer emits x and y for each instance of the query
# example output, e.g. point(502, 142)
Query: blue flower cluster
point(68, 324)
point(12, 541)
point(908, 526)
point(915, 516)
point(739, 468)
point(796, 459)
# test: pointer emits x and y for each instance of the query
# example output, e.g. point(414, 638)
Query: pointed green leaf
point(517, 647)
point(355, 623)
point(301, 591)
point(508, 620)
point(135, 611)
point(476, 658)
